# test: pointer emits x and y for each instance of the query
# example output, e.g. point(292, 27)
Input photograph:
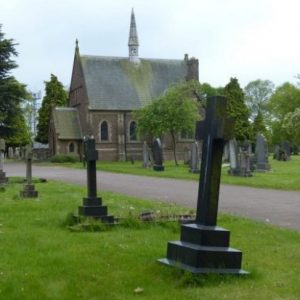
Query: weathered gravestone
point(92, 205)
point(3, 178)
point(157, 156)
point(239, 158)
point(261, 154)
point(286, 147)
point(203, 246)
point(28, 188)
point(146, 155)
point(187, 155)
point(195, 158)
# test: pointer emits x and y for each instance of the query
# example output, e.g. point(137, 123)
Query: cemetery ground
point(283, 175)
point(42, 258)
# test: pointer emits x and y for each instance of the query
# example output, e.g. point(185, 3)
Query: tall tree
point(291, 123)
point(175, 111)
point(237, 109)
point(257, 95)
point(55, 95)
point(285, 100)
point(12, 93)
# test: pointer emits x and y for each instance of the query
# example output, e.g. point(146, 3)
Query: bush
point(62, 158)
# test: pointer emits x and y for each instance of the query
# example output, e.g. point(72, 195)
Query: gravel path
point(280, 208)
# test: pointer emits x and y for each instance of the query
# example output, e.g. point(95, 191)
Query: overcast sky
point(231, 38)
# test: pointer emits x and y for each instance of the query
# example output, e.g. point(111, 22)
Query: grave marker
point(3, 178)
point(157, 156)
point(92, 205)
point(28, 188)
point(261, 153)
point(204, 247)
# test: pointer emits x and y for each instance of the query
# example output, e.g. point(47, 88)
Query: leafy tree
point(291, 123)
point(257, 95)
point(175, 111)
point(237, 109)
point(55, 96)
point(12, 93)
point(285, 100)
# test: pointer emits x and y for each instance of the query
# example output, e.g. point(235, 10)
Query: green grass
point(284, 175)
point(41, 259)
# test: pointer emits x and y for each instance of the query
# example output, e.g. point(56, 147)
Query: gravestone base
point(28, 191)
point(92, 207)
point(240, 172)
point(3, 178)
point(262, 167)
point(195, 171)
point(204, 249)
point(158, 168)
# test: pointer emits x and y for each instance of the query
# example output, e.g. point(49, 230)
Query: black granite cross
point(214, 130)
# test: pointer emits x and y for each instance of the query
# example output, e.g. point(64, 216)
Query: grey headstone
point(261, 153)
point(195, 160)
point(2, 145)
point(187, 156)
point(233, 149)
point(146, 155)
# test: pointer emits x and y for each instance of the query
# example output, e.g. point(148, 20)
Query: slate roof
point(66, 122)
point(115, 83)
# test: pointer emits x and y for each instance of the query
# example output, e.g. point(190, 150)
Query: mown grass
point(42, 259)
point(284, 175)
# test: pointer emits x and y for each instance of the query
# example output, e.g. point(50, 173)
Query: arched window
point(104, 131)
point(132, 131)
point(71, 147)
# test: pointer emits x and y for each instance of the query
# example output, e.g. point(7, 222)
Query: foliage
point(237, 109)
point(285, 99)
point(291, 123)
point(55, 96)
point(257, 95)
point(12, 93)
point(63, 158)
point(175, 111)
point(258, 126)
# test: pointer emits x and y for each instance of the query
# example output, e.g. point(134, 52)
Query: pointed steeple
point(76, 46)
point(133, 42)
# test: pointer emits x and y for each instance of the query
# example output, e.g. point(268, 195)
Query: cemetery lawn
point(41, 258)
point(284, 175)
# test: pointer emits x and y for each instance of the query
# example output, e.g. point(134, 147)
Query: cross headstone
point(92, 205)
point(261, 153)
point(195, 159)
point(203, 246)
point(3, 178)
point(28, 188)
point(157, 155)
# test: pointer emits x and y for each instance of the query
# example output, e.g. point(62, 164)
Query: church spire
point(133, 42)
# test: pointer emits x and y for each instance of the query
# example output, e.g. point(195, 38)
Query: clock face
point(133, 50)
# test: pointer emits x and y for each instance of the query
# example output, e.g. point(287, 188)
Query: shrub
point(62, 158)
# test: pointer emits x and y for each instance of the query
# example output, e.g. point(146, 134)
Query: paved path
point(277, 207)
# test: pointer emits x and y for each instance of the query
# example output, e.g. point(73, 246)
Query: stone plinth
point(3, 178)
point(28, 191)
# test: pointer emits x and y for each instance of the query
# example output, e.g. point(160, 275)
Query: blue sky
point(231, 38)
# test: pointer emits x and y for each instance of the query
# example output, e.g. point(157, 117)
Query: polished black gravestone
point(92, 205)
point(203, 246)
point(157, 156)
point(28, 188)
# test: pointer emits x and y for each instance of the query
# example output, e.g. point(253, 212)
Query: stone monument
point(157, 156)
point(146, 155)
point(92, 205)
point(203, 246)
point(261, 154)
point(3, 178)
point(28, 188)
point(195, 158)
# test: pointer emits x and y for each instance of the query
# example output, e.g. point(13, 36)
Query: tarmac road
point(277, 207)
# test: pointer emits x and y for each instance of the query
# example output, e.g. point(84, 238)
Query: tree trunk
point(174, 148)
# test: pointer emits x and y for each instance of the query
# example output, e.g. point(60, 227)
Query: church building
point(104, 92)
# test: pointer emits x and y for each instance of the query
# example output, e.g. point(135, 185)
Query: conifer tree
point(55, 96)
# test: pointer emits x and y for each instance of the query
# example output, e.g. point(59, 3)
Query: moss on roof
point(115, 83)
point(66, 122)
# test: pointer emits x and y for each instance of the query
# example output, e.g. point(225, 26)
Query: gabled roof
point(115, 83)
point(66, 122)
